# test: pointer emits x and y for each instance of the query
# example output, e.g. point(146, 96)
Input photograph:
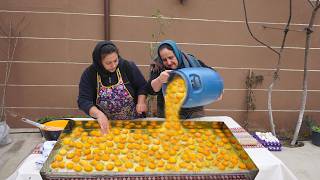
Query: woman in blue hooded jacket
point(112, 87)
point(170, 57)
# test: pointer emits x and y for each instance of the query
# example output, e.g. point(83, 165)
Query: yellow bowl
point(54, 135)
point(57, 123)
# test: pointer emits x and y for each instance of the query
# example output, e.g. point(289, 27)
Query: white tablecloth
point(270, 167)
point(28, 169)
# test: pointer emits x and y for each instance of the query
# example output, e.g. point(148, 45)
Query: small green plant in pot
point(315, 135)
point(315, 131)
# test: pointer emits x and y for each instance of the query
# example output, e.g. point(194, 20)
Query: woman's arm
point(142, 104)
point(138, 84)
point(156, 84)
point(87, 90)
point(86, 99)
point(101, 118)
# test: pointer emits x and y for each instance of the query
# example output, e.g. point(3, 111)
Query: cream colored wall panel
point(56, 25)
point(288, 80)
point(236, 100)
point(204, 33)
point(54, 50)
point(42, 96)
point(46, 74)
point(258, 10)
point(75, 6)
point(232, 57)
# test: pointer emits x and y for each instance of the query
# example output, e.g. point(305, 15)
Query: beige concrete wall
point(56, 46)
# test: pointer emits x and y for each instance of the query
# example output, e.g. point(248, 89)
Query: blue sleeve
point(87, 91)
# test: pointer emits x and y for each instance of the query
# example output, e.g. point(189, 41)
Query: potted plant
point(315, 135)
point(315, 131)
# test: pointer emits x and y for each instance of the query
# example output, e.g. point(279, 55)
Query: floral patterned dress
point(116, 101)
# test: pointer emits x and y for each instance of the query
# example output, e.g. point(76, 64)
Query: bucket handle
point(195, 82)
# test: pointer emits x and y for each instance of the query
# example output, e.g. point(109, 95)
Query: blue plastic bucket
point(204, 85)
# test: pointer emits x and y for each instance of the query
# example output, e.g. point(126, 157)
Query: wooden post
point(107, 19)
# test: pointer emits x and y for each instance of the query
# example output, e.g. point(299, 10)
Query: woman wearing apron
point(112, 87)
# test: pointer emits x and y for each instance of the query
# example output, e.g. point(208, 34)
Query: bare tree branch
point(13, 38)
point(249, 29)
point(9, 36)
point(309, 31)
point(268, 27)
point(311, 4)
point(3, 51)
point(3, 30)
point(8, 66)
point(14, 46)
point(286, 30)
point(21, 25)
point(276, 73)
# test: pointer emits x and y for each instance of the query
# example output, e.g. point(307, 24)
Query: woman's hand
point(164, 76)
point(104, 123)
point(101, 118)
point(220, 97)
point(141, 107)
point(156, 84)
point(141, 104)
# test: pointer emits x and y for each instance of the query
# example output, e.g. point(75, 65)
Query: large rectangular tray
point(48, 173)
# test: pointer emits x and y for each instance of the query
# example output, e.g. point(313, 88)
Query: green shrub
point(313, 126)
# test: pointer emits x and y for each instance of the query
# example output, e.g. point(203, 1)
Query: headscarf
point(177, 52)
point(97, 61)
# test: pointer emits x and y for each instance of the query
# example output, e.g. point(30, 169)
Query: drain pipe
point(107, 19)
